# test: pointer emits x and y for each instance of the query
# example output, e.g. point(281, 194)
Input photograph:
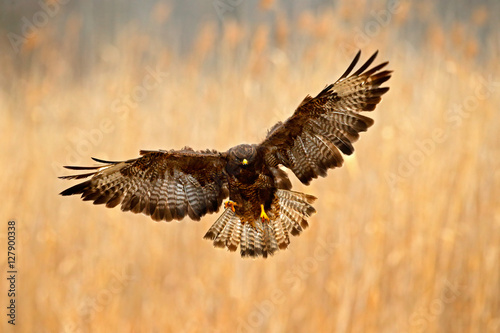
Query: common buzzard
point(262, 211)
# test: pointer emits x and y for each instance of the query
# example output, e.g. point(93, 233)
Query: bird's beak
point(244, 162)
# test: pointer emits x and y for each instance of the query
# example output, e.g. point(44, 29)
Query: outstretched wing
point(165, 185)
point(309, 141)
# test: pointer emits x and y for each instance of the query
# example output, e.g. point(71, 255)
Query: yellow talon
point(231, 204)
point(263, 214)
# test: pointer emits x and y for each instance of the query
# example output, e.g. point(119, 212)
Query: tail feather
point(290, 225)
point(250, 250)
point(281, 233)
point(259, 245)
point(288, 215)
point(233, 242)
point(221, 240)
point(244, 242)
point(295, 220)
point(270, 240)
point(217, 227)
point(231, 237)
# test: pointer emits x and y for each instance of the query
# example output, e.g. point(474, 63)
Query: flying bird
point(262, 211)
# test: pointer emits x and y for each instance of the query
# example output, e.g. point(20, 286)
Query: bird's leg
point(231, 204)
point(263, 215)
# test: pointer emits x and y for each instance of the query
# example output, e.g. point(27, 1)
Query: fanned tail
point(288, 215)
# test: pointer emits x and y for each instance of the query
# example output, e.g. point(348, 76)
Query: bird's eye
point(244, 162)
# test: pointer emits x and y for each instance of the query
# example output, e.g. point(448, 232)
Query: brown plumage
point(263, 211)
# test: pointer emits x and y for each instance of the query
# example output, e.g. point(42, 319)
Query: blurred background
point(407, 233)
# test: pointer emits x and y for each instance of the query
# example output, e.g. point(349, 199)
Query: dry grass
point(407, 234)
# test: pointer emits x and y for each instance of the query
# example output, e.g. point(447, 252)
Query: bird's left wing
point(309, 141)
point(166, 185)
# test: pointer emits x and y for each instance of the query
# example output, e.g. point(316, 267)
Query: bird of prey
point(262, 211)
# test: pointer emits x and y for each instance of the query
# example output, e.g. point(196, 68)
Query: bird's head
point(242, 158)
point(244, 154)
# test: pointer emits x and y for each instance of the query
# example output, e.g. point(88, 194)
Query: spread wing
point(165, 185)
point(309, 141)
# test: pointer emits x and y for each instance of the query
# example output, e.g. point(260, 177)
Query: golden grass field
point(407, 234)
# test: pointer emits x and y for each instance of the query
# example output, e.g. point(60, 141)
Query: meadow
point(407, 233)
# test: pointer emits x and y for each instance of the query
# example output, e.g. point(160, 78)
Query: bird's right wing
point(165, 185)
point(310, 141)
